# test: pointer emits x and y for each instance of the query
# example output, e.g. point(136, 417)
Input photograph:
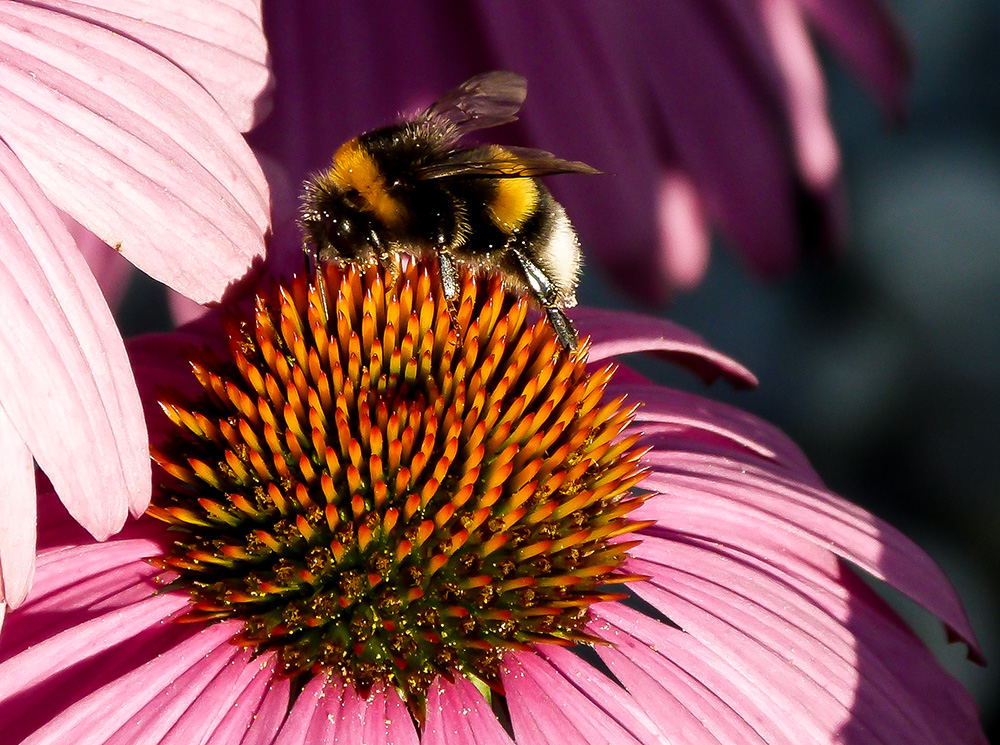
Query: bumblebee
point(414, 185)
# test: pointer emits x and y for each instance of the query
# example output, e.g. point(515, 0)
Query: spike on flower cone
point(382, 490)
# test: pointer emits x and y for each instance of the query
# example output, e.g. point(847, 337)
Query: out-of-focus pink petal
point(66, 383)
point(131, 147)
point(805, 93)
point(703, 486)
point(726, 137)
point(219, 43)
point(867, 35)
point(183, 310)
point(648, 334)
point(683, 232)
point(17, 515)
point(458, 713)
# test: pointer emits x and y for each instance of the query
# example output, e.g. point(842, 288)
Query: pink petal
point(198, 702)
point(381, 718)
point(80, 583)
point(131, 147)
point(219, 43)
point(796, 632)
point(743, 172)
point(687, 677)
point(815, 143)
point(648, 334)
point(298, 726)
point(56, 653)
point(683, 231)
point(687, 699)
point(17, 516)
point(175, 676)
point(458, 713)
point(691, 415)
point(266, 720)
point(866, 33)
point(71, 394)
point(702, 487)
point(547, 709)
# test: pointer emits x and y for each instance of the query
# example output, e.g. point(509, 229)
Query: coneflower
point(389, 525)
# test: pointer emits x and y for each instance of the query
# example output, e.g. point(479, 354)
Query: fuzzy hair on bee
point(414, 187)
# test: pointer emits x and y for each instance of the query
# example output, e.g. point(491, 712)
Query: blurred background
point(883, 363)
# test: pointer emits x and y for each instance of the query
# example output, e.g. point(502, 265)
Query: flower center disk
point(390, 492)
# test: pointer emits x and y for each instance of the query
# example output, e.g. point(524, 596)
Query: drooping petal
point(649, 334)
point(40, 662)
point(66, 383)
point(77, 584)
point(219, 43)
point(132, 147)
point(691, 415)
point(17, 516)
point(683, 232)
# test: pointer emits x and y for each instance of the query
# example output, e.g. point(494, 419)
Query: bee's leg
point(451, 285)
point(309, 252)
point(390, 262)
point(386, 257)
point(449, 277)
point(545, 294)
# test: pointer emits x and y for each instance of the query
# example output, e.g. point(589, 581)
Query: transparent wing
point(500, 162)
point(486, 100)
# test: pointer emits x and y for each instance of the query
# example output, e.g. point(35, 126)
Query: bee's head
point(336, 226)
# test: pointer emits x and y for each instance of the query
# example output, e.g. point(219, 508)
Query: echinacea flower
point(127, 117)
point(702, 113)
point(390, 524)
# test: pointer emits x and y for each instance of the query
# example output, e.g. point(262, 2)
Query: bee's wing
point(486, 100)
point(505, 162)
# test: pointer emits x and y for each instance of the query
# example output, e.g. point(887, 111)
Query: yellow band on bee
point(515, 199)
point(355, 168)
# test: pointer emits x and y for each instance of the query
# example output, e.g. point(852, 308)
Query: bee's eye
point(344, 228)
